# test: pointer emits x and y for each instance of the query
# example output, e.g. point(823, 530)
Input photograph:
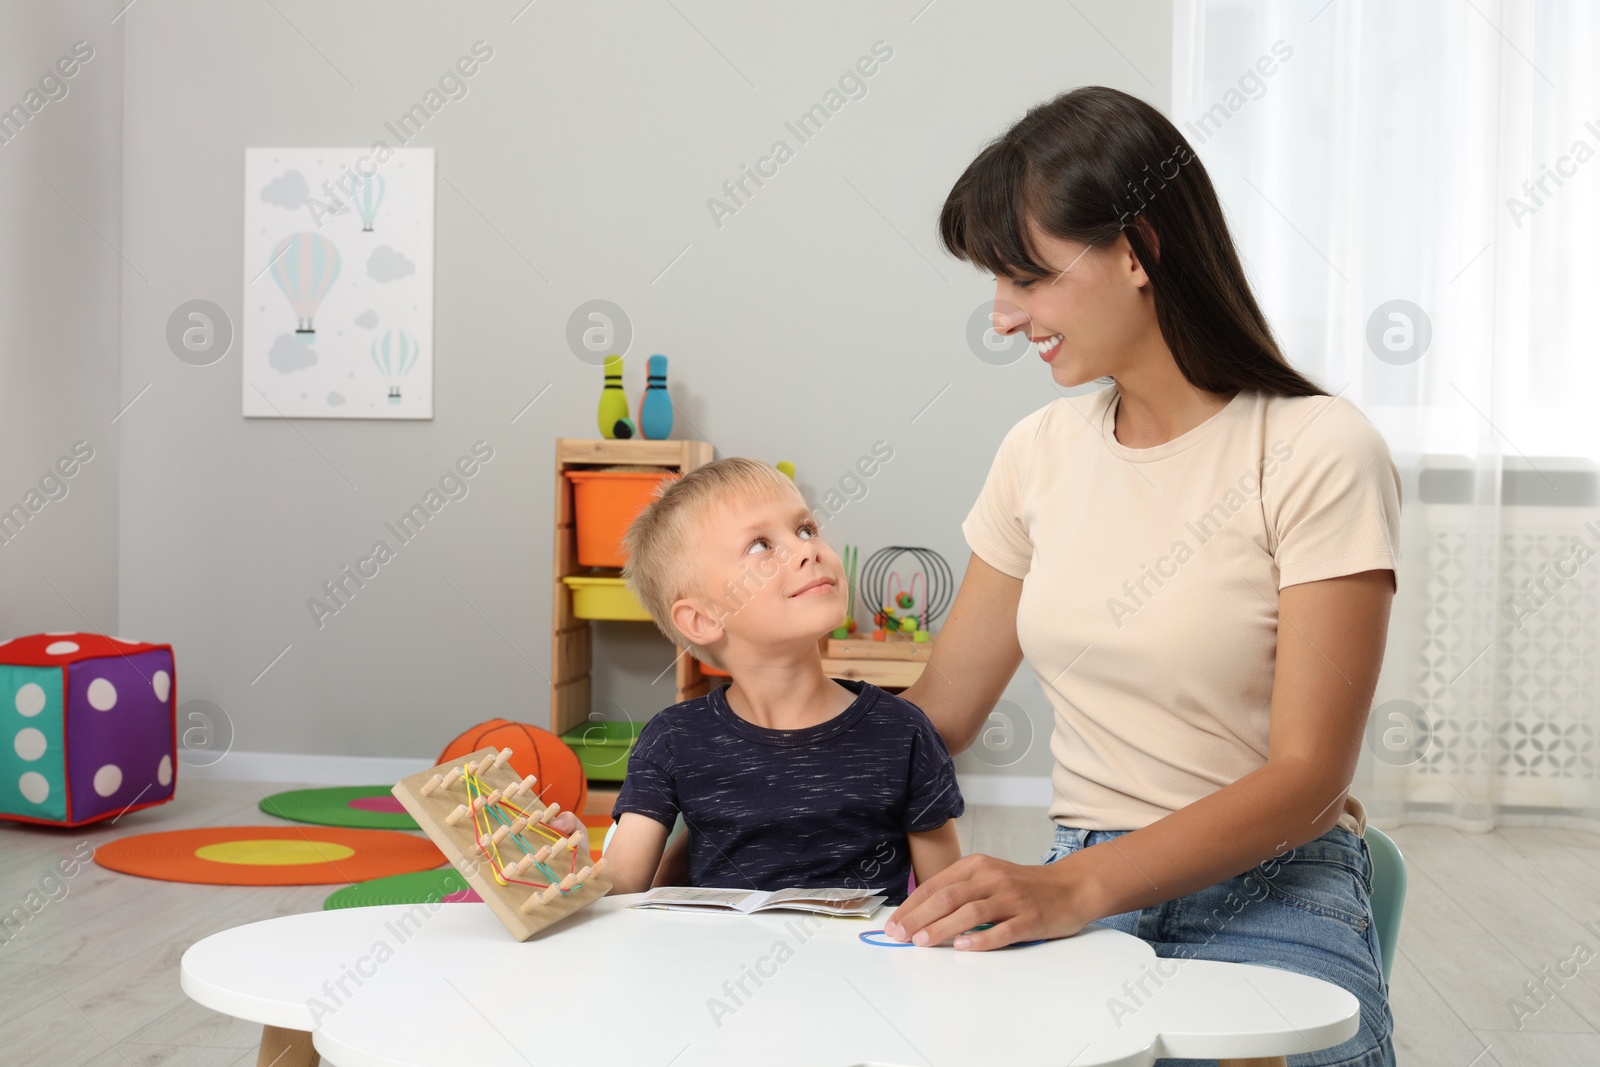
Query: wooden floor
point(92, 978)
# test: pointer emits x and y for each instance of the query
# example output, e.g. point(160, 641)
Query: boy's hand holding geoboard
point(490, 824)
point(849, 903)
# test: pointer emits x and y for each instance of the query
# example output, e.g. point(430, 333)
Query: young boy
point(784, 777)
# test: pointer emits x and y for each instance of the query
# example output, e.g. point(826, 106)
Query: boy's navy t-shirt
point(826, 806)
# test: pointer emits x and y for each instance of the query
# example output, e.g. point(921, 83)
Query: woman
point(1197, 562)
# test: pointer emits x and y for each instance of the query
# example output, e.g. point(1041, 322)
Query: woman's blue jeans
point(1308, 911)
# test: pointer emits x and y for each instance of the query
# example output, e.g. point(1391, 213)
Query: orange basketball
point(533, 751)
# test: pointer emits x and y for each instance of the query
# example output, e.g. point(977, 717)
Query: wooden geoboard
point(491, 826)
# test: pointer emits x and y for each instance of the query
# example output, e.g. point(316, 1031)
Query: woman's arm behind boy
point(933, 850)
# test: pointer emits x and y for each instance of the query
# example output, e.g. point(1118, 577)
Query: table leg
point(1264, 1061)
point(286, 1048)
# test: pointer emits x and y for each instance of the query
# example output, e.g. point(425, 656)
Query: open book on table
point(853, 903)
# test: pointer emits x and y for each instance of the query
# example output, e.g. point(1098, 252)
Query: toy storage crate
point(604, 747)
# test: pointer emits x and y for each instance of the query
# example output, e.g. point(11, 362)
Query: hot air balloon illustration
point(305, 266)
point(394, 354)
point(368, 194)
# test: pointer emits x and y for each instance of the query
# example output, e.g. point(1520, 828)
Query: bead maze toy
point(490, 824)
point(902, 620)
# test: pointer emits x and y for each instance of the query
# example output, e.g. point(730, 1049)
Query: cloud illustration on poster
point(289, 355)
point(367, 318)
point(335, 399)
point(288, 190)
point(386, 265)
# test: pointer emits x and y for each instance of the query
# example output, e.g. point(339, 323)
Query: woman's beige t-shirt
point(1150, 581)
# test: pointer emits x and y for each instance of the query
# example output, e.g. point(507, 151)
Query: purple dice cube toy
point(88, 727)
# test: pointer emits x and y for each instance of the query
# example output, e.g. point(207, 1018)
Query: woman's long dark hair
point(1092, 164)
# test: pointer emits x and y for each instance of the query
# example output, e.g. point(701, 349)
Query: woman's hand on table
point(1023, 902)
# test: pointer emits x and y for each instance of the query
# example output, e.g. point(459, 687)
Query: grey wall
point(818, 319)
point(60, 279)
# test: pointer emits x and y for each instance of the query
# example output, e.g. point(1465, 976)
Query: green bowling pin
point(613, 415)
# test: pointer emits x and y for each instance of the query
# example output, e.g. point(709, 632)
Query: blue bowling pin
point(655, 407)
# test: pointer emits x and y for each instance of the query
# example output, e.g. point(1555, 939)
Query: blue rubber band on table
point(867, 936)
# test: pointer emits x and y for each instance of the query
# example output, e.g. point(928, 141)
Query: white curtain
point(1415, 189)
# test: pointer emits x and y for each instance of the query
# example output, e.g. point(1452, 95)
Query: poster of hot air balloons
point(338, 283)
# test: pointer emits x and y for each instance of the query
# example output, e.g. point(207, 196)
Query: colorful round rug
point(269, 855)
point(598, 825)
point(368, 807)
point(423, 887)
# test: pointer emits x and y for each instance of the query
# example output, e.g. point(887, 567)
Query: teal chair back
point(1388, 892)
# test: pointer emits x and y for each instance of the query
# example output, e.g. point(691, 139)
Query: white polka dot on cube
point(30, 744)
point(164, 771)
point(108, 779)
point(35, 787)
point(61, 648)
point(30, 700)
point(102, 695)
point(161, 682)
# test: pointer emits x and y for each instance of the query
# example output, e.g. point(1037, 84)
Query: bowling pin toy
point(655, 406)
point(613, 414)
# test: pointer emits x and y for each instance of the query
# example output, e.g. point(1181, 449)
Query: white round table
point(445, 983)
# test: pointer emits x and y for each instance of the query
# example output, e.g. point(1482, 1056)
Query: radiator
point(1508, 676)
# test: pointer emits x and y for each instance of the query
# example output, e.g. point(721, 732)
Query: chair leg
point(286, 1048)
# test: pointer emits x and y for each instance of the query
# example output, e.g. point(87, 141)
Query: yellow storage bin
point(604, 598)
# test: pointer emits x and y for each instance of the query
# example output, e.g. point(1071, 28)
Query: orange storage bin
point(604, 503)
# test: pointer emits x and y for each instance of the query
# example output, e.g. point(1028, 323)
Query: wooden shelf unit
point(888, 674)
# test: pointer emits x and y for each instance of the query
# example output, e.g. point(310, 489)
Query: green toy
point(613, 413)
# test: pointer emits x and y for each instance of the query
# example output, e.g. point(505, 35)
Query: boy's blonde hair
point(660, 568)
